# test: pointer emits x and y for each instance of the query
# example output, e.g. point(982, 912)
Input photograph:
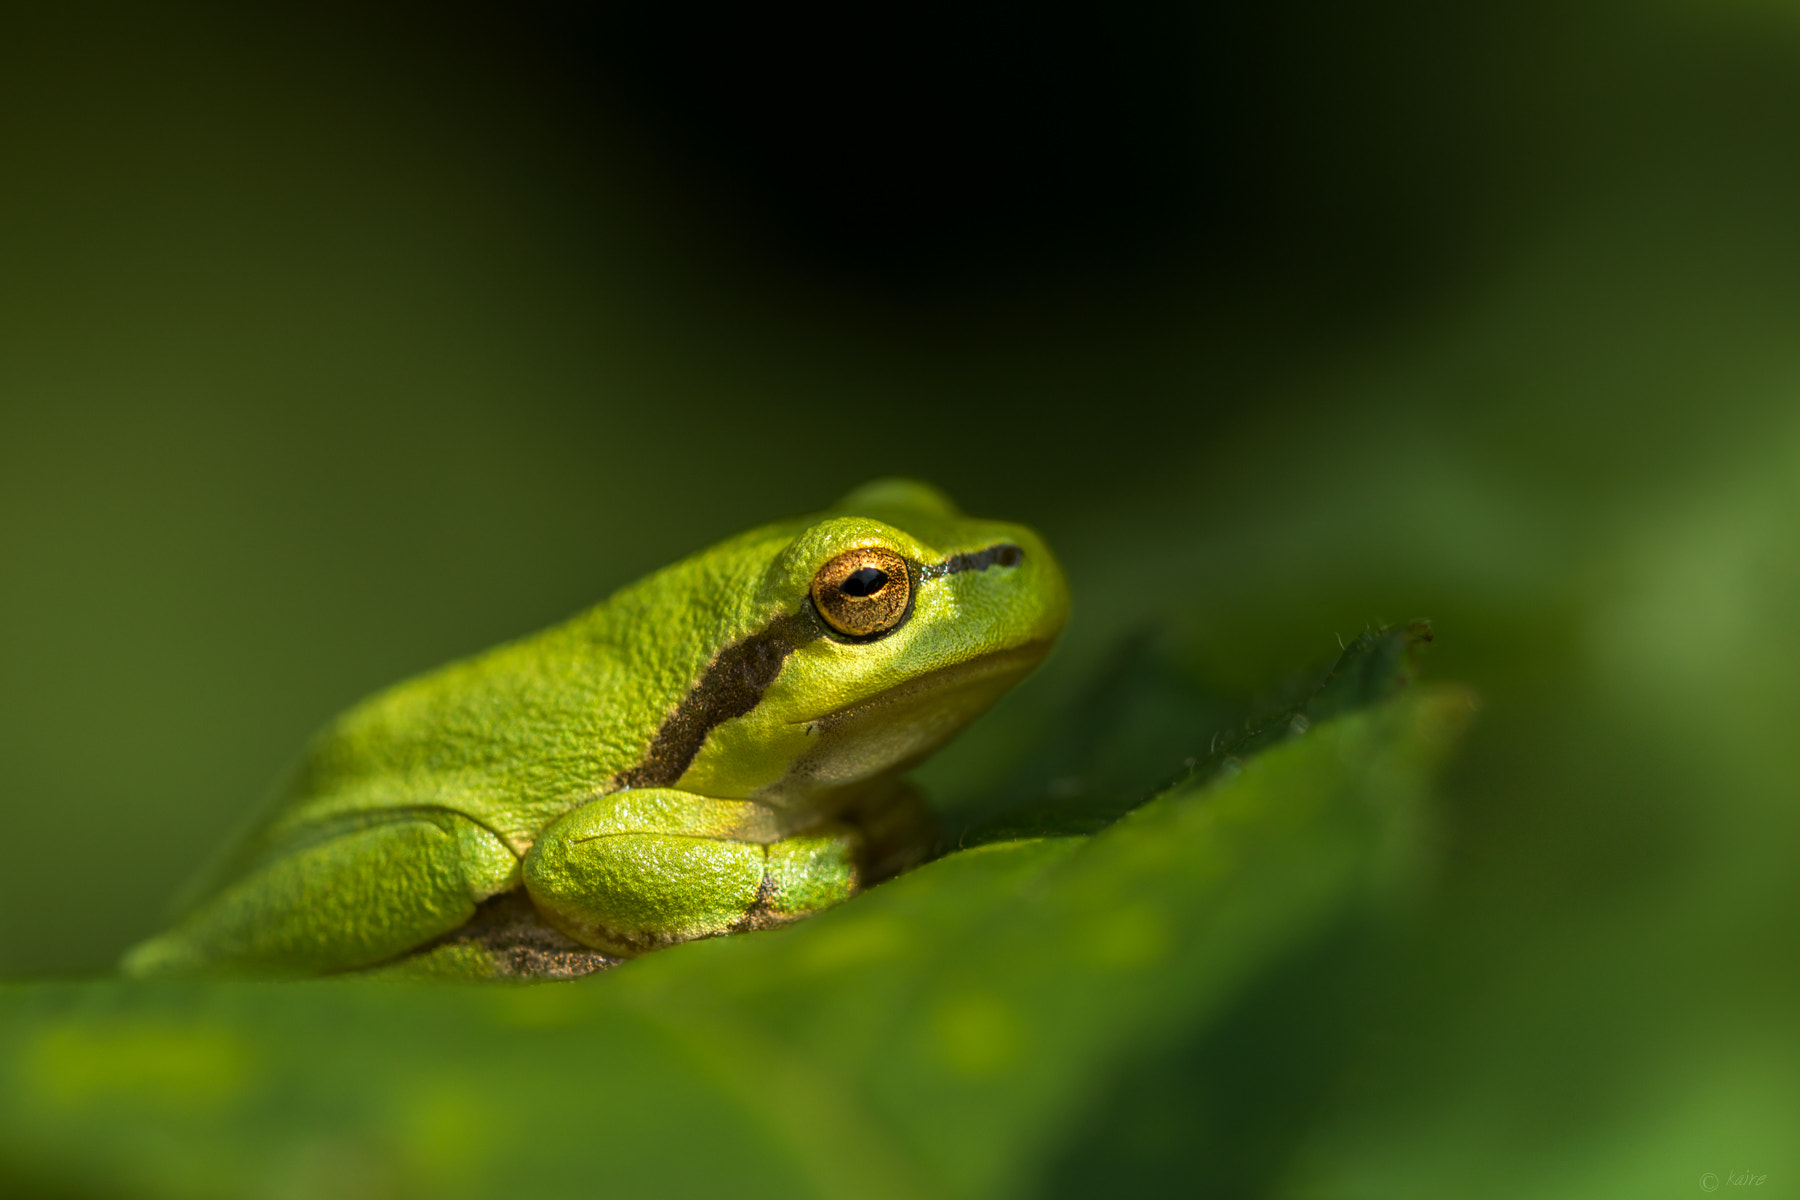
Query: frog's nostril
point(1009, 555)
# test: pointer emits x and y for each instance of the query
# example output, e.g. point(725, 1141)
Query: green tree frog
point(715, 748)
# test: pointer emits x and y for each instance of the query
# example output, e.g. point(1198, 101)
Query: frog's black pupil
point(864, 581)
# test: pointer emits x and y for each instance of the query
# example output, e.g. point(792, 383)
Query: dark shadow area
point(1323, 161)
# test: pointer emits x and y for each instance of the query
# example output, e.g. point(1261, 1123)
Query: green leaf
point(1145, 725)
point(943, 1034)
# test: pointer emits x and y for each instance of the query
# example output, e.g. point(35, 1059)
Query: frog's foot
point(506, 940)
point(899, 830)
point(641, 869)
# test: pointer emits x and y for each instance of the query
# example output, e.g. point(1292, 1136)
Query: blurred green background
point(337, 344)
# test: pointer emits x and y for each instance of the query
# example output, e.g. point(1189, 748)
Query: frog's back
point(518, 735)
point(504, 738)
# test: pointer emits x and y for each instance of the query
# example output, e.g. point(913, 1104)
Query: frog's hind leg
point(353, 897)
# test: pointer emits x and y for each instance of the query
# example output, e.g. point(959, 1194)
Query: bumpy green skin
point(505, 771)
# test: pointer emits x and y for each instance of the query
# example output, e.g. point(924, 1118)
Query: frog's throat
point(734, 682)
point(894, 729)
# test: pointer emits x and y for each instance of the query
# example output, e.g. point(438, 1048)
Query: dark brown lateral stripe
point(1002, 554)
point(738, 676)
point(730, 687)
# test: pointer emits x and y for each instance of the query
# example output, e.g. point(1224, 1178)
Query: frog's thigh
point(351, 900)
point(646, 868)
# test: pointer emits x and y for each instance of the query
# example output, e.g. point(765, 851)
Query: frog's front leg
point(639, 869)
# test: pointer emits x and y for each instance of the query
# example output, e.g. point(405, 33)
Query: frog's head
point(873, 633)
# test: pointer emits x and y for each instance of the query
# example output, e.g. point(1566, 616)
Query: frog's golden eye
point(864, 594)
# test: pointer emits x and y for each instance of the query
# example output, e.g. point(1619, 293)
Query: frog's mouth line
point(1015, 660)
